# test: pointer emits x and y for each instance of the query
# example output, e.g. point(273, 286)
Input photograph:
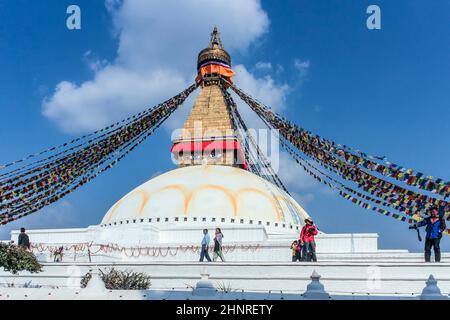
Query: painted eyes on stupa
point(199, 156)
point(215, 155)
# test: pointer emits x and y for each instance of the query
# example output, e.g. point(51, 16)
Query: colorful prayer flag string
point(35, 185)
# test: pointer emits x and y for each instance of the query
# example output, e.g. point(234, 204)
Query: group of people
point(304, 249)
point(217, 251)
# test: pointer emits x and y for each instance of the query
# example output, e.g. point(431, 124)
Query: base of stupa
point(258, 258)
point(165, 241)
point(339, 278)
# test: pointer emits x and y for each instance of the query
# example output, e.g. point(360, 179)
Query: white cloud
point(158, 46)
point(265, 89)
point(177, 120)
point(303, 67)
point(114, 93)
point(58, 215)
point(293, 174)
point(279, 69)
point(93, 61)
point(304, 199)
point(171, 33)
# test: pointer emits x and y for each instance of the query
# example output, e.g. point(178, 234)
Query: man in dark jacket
point(434, 226)
point(24, 240)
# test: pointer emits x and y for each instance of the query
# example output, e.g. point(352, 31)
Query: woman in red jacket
point(307, 242)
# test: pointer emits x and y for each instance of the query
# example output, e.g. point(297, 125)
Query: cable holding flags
point(58, 171)
point(355, 169)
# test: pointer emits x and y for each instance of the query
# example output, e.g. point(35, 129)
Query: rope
point(410, 204)
point(30, 188)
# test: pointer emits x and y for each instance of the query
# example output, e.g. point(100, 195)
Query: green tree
point(14, 259)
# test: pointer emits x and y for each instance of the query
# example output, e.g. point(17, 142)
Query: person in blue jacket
point(434, 226)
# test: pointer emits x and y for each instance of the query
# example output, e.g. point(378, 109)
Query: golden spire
point(214, 51)
point(208, 135)
point(215, 41)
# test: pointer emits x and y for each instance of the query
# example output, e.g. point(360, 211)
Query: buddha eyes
point(216, 155)
point(212, 155)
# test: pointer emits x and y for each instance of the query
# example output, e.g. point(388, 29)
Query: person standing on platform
point(307, 241)
point(24, 240)
point(296, 247)
point(434, 226)
point(218, 245)
point(205, 245)
point(58, 254)
point(299, 250)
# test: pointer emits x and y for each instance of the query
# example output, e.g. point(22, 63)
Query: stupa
point(157, 227)
point(212, 187)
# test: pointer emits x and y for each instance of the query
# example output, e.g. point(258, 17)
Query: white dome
point(208, 191)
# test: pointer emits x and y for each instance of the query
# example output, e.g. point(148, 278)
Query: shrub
point(120, 280)
point(84, 281)
point(14, 258)
point(225, 287)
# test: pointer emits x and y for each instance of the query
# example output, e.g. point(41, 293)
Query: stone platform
point(258, 258)
point(342, 278)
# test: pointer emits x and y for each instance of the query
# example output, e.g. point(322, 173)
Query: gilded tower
point(208, 135)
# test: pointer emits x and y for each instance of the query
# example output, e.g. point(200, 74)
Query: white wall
point(338, 278)
point(168, 241)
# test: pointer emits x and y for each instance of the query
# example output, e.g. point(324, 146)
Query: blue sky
point(384, 91)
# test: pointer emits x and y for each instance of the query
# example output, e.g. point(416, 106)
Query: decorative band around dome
point(213, 55)
point(208, 191)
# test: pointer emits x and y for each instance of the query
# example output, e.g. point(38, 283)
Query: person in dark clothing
point(58, 254)
point(299, 250)
point(296, 251)
point(24, 240)
point(218, 246)
point(434, 226)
